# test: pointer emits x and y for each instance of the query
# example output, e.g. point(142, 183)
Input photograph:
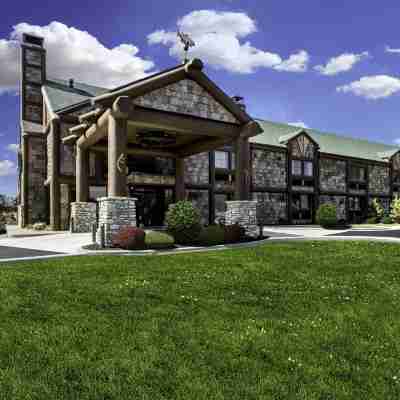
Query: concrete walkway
point(56, 244)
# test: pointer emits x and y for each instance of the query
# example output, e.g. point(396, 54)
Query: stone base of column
point(244, 213)
point(115, 213)
point(83, 216)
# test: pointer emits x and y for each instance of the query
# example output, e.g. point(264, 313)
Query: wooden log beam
point(203, 146)
point(82, 174)
point(138, 152)
point(78, 128)
point(70, 140)
point(96, 132)
point(155, 119)
point(91, 115)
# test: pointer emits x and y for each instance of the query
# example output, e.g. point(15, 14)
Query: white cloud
point(7, 168)
point(299, 124)
point(295, 63)
point(13, 147)
point(218, 42)
point(372, 87)
point(389, 49)
point(343, 63)
point(72, 53)
point(397, 141)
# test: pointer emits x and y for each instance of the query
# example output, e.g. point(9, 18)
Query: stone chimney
point(33, 75)
point(239, 101)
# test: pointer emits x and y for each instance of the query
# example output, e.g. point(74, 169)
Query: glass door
point(302, 208)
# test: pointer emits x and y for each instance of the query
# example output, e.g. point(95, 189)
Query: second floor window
point(302, 168)
point(222, 159)
point(357, 173)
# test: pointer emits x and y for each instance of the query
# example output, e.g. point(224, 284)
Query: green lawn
point(305, 320)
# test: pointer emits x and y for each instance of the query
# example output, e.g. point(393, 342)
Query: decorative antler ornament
point(121, 163)
point(187, 43)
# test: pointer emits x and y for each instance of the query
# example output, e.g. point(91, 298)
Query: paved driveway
point(381, 233)
point(7, 252)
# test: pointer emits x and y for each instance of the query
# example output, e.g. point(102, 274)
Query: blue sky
point(268, 52)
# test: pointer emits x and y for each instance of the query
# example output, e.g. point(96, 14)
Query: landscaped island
point(304, 320)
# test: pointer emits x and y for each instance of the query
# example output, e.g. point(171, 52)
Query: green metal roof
point(60, 95)
point(274, 132)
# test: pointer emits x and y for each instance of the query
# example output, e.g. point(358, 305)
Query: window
point(296, 167)
point(308, 168)
point(222, 159)
point(357, 173)
point(302, 168)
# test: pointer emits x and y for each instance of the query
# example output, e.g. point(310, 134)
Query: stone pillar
point(180, 179)
point(243, 213)
point(115, 213)
point(117, 141)
point(83, 216)
point(82, 175)
point(242, 169)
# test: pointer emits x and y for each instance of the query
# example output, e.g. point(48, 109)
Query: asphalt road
point(16, 252)
point(390, 233)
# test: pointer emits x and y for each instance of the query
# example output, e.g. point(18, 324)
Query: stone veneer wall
point(271, 207)
point(37, 198)
point(115, 213)
point(199, 198)
point(269, 168)
point(197, 169)
point(332, 175)
point(379, 181)
point(339, 201)
point(186, 97)
point(243, 213)
point(83, 216)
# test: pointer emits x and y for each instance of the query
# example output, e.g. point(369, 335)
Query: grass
point(299, 320)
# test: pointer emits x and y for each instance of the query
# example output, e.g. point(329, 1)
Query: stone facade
point(65, 198)
point(115, 213)
point(339, 201)
point(83, 216)
point(186, 97)
point(243, 213)
point(332, 175)
point(37, 199)
point(269, 168)
point(196, 169)
point(271, 208)
point(379, 181)
point(200, 200)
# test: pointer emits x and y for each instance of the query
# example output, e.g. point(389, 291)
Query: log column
point(82, 174)
point(242, 169)
point(180, 179)
point(55, 174)
point(117, 144)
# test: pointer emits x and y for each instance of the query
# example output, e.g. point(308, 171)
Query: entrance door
point(302, 208)
point(151, 204)
point(357, 209)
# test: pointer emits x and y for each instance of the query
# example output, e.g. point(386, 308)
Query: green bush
point(371, 220)
point(387, 220)
point(378, 209)
point(211, 235)
point(326, 215)
point(233, 233)
point(158, 240)
point(183, 222)
point(395, 209)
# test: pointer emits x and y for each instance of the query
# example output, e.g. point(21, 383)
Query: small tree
point(395, 209)
point(379, 210)
point(326, 215)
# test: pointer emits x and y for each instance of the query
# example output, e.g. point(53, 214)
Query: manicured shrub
point(130, 238)
point(378, 209)
point(158, 240)
point(233, 233)
point(387, 220)
point(211, 235)
point(326, 215)
point(395, 209)
point(372, 220)
point(183, 222)
point(39, 226)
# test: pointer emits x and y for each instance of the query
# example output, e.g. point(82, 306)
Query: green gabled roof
point(273, 133)
point(61, 96)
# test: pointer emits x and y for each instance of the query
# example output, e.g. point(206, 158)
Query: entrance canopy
point(173, 114)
